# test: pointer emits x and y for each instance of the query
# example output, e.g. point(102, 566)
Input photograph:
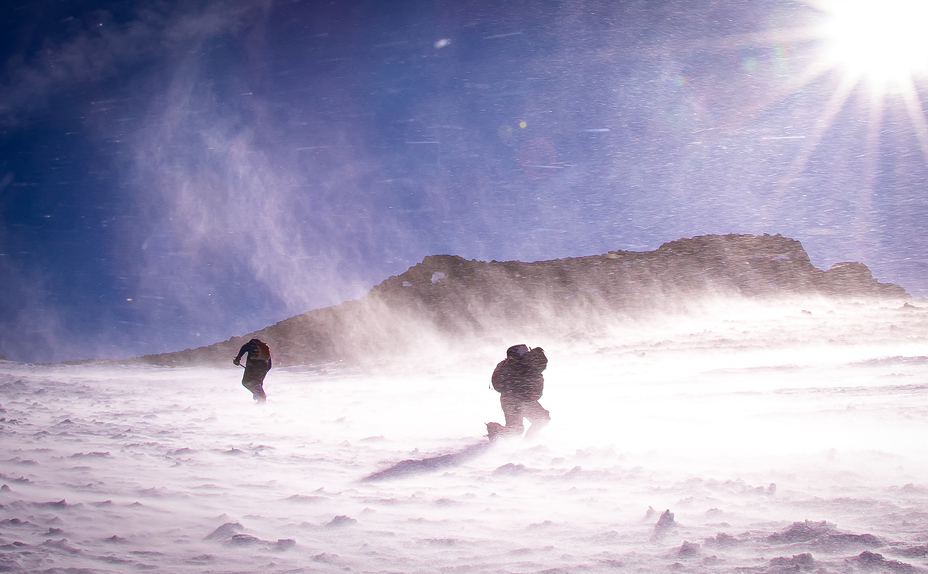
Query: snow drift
point(750, 437)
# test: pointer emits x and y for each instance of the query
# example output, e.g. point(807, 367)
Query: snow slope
point(781, 437)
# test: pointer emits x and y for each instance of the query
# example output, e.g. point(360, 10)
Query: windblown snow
point(750, 438)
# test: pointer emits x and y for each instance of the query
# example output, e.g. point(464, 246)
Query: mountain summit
point(449, 296)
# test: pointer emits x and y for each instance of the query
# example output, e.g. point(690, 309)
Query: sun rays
point(874, 46)
point(874, 52)
point(871, 51)
point(880, 46)
point(882, 41)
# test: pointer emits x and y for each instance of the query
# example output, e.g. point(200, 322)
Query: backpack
point(262, 351)
point(499, 379)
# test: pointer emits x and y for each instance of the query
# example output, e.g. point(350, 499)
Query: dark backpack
point(262, 351)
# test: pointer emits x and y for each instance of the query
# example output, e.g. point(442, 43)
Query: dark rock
point(823, 536)
point(244, 540)
point(688, 549)
point(650, 514)
point(326, 558)
point(58, 504)
point(665, 524)
point(225, 531)
point(913, 551)
point(341, 520)
point(797, 563)
point(838, 542)
point(802, 532)
point(456, 297)
point(873, 562)
point(115, 539)
point(722, 540)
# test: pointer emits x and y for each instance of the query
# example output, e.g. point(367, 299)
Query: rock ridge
point(450, 296)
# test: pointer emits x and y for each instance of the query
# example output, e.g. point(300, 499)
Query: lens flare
point(883, 41)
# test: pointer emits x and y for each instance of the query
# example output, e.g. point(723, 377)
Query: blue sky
point(176, 173)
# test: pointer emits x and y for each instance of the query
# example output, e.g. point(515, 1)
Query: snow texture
point(750, 438)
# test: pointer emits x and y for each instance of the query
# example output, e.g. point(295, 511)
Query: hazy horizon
point(172, 173)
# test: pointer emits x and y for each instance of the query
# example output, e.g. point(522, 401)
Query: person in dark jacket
point(519, 381)
point(257, 365)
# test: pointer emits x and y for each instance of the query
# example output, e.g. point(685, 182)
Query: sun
point(872, 53)
point(883, 42)
point(875, 48)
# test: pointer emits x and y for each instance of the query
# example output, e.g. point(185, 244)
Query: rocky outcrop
point(447, 295)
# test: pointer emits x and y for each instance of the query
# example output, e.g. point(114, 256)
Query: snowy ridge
point(460, 302)
point(755, 437)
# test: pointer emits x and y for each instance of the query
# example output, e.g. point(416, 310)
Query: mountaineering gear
point(514, 409)
point(494, 430)
point(257, 351)
point(520, 383)
point(257, 365)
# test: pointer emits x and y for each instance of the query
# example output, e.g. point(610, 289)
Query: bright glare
point(884, 41)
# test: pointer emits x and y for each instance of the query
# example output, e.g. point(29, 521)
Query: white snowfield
point(781, 437)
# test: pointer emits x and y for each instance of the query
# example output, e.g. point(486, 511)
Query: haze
point(175, 173)
point(779, 436)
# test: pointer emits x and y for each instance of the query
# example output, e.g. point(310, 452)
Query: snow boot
point(494, 430)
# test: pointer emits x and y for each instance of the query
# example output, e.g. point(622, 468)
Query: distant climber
point(519, 381)
point(257, 365)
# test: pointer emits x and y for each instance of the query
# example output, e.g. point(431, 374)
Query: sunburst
point(882, 42)
point(876, 46)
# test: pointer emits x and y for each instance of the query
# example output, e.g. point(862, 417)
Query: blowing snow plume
point(452, 299)
point(791, 442)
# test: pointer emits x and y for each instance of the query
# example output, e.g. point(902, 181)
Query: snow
point(780, 437)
